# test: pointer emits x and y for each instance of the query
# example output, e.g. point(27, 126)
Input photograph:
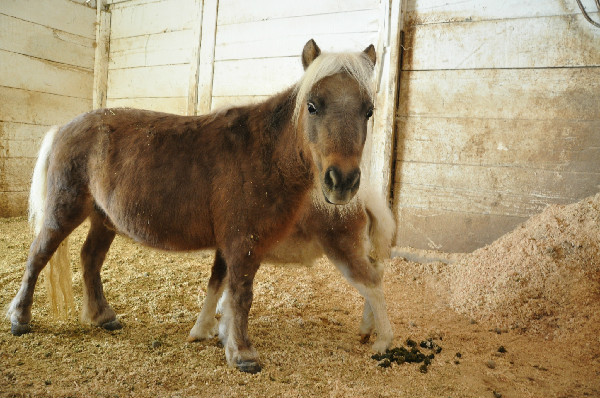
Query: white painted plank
point(17, 173)
point(176, 105)
point(152, 17)
point(443, 11)
point(290, 46)
point(152, 49)
point(542, 94)
point(235, 11)
point(450, 231)
point(32, 107)
point(195, 58)
point(568, 145)
point(18, 149)
point(21, 139)
point(13, 204)
point(206, 66)
point(87, 3)
point(119, 3)
point(101, 56)
point(255, 76)
point(519, 43)
point(219, 103)
point(490, 189)
point(348, 22)
point(449, 198)
point(381, 153)
point(23, 131)
point(23, 37)
point(20, 71)
point(155, 81)
point(56, 14)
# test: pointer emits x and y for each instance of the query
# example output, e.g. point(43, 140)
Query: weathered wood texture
point(258, 43)
point(499, 115)
point(46, 77)
point(101, 55)
point(151, 49)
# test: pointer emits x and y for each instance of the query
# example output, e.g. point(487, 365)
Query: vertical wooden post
point(207, 56)
point(101, 54)
point(192, 102)
point(387, 74)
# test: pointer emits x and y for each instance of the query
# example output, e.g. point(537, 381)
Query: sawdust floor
point(304, 323)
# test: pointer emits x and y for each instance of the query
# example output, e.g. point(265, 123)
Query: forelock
point(357, 65)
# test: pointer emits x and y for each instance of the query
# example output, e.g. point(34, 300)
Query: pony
point(236, 180)
point(356, 237)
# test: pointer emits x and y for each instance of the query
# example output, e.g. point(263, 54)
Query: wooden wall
point(180, 56)
point(46, 75)
point(240, 51)
point(499, 115)
point(258, 43)
point(151, 45)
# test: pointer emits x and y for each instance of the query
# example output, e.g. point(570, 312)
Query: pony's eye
point(312, 109)
point(369, 113)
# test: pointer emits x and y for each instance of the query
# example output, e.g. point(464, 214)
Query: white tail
point(381, 224)
point(57, 274)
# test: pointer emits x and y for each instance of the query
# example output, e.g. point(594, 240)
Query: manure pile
point(542, 277)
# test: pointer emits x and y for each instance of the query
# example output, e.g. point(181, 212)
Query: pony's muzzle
point(339, 187)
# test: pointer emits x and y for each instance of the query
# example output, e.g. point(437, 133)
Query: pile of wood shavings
point(542, 277)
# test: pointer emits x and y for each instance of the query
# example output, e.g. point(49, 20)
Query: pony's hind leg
point(96, 309)
point(62, 216)
point(206, 326)
point(42, 249)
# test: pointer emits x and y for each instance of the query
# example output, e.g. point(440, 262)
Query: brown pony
point(237, 180)
point(355, 237)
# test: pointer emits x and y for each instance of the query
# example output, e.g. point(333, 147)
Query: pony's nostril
point(334, 180)
point(355, 180)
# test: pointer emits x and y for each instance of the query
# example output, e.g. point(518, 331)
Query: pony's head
point(334, 101)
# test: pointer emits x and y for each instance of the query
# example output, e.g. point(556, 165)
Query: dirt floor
point(304, 322)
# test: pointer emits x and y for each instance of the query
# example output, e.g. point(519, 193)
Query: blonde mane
point(358, 65)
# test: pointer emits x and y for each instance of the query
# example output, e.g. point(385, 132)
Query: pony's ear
point(371, 53)
point(309, 53)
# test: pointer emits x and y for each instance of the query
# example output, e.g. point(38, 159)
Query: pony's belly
point(164, 230)
point(296, 250)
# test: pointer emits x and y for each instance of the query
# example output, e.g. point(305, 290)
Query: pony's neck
point(291, 152)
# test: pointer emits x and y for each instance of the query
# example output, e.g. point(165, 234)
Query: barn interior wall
point(46, 76)
point(253, 51)
point(499, 115)
point(151, 48)
point(258, 44)
point(179, 56)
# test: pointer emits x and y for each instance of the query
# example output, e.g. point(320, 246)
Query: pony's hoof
point(248, 366)
point(364, 338)
point(18, 329)
point(380, 346)
point(112, 325)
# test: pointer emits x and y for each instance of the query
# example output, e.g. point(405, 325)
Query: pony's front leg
point(367, 325)
point(239, 351)
point(375, 312)
point(206, 326)
point(366, 276)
